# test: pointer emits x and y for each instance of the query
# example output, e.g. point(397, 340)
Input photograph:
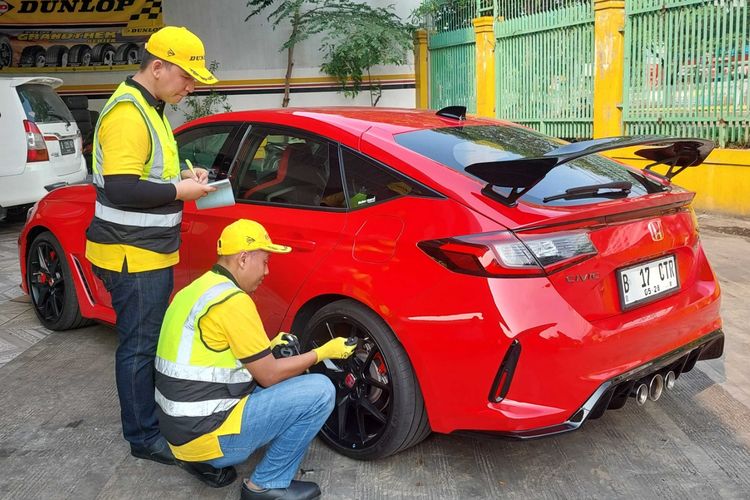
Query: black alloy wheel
point(379, 409)
point(51, 285)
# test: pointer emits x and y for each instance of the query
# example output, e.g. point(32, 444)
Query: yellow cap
point(246, 235)
point(181, 47)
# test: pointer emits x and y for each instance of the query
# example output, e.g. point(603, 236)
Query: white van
point(41, 143)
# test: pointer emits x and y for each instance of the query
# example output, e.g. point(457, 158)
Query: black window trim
point(431, 193)
point(268, 129)
point(231, 145)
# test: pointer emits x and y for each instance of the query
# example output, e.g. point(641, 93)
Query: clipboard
point(222, 197)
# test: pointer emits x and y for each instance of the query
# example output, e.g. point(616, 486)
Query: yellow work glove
point(334, 349)
point(277, 340)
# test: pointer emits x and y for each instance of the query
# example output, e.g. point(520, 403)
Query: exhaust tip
point(641, 394)
point(669, 380)
point(655, 387)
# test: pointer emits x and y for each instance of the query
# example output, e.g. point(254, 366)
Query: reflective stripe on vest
point(140, 219)
point(188, 328)
point(211, 374)
point(179, 409)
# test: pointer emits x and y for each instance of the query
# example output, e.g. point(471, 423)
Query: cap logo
point(170, 53)
point(197, 58)
point(249, 240)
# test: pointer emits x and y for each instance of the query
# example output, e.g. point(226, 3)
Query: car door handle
point(299, 245)
point(186, 226)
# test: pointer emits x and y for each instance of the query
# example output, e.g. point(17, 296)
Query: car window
point(286, 167)
point(42, 104)
point(370, 182)
point(458, 147)
point(208, 147)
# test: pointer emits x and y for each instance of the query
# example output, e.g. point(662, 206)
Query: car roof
point(353, 119)
point(15, 81)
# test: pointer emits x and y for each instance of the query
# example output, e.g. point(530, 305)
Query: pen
point(190, 166)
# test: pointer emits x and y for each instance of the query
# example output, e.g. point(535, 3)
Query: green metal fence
point(453, 69)
point(687, 69)
point(544, 65)
point(452, 56)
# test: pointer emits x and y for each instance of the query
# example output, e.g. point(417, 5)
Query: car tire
point(103, 53)
point(35, 55)
point(57, 55)
point(6, 52)
point(51, 286)
point(80, 55)
point(379, 407)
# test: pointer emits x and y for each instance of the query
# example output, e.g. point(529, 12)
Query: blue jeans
point(140, 301)
point(287, 415)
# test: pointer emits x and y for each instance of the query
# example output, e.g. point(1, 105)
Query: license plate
point(67, 146)
point(647, 281)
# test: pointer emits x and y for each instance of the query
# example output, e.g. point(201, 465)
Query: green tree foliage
point(305, 18)
point(352, 49)
point(194, 107)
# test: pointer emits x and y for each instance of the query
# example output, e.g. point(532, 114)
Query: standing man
point(134, 237)
point(222, 394)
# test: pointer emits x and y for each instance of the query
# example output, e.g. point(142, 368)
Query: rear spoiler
point(520, 175)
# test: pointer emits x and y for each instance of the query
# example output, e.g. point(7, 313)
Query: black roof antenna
point(454, 112)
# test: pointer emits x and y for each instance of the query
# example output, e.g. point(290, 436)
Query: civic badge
point(654, 227)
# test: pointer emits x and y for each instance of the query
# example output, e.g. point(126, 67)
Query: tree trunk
point(290, 61)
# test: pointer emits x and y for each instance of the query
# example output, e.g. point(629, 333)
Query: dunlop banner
point(75, 35)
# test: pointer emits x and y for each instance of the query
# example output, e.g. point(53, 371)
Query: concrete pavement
point(60, 431)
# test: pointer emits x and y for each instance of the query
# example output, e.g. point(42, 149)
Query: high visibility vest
point(156, 229)
point(196, 387)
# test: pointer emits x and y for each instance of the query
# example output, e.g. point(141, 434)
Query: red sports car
point(499, 280)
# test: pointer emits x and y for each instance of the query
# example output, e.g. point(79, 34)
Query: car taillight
point(36, 148)
point(505, 254)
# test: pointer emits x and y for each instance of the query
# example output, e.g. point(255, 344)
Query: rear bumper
point(614, 392)
point(457, 348)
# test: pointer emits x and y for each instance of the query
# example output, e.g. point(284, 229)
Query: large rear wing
point(520, 175)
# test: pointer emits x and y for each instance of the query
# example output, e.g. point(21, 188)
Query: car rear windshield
point(458, 147)
point(42, 104)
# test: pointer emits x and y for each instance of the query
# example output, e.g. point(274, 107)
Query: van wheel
point(80, 55)
point(6, 52)
point(379, 409)
point(51, 285)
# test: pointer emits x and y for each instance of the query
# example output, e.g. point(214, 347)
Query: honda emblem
point(654, 227)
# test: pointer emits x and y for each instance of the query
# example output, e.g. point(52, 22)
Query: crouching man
point(220, 392)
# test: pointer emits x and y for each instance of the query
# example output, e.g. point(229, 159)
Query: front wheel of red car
point(379, 408)
point(51, 285)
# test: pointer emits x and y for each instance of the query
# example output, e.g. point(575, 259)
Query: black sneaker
point(158, 452)
point(215, 478)
point(297, 490)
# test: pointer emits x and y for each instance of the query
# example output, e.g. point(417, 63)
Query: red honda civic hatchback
point(498, 280)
